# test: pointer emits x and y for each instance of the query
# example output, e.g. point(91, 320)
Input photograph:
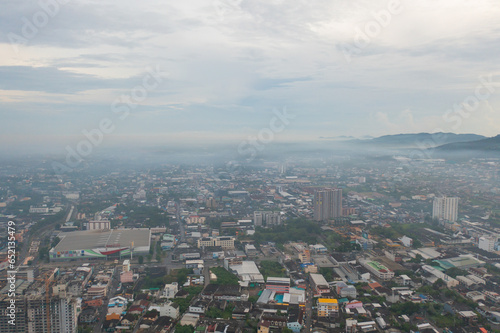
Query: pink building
point(127, 277)
point(354, 305)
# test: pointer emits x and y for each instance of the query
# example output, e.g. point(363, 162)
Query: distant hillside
point(418, 139)
point(485, 145)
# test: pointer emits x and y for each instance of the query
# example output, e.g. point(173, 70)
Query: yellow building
point(328, 307)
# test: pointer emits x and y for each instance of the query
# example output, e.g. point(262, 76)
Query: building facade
point(327, 204)
point(445, 208)
point(328, 307)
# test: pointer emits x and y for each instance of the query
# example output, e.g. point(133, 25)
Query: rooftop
point(92, 239)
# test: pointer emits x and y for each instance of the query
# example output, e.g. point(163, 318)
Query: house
point(469, 317)
point(136, 309)
point(344, 290)
point(273, 321)
point(151, 316)
point(88, 315)
point(198, 307)
point(264, 327)
point(190, 319)
point(241, 310)
point(295, 319)
point(128, 320)
point(113, 316)
point(168, 309)
point(170, 290)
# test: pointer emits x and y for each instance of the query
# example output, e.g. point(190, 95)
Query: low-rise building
point(278, 284)
point(328, 307)
point(319, 284)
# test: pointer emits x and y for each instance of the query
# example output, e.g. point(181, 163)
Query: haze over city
point(249, 166)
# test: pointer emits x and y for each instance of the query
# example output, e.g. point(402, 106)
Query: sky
point(157, 72)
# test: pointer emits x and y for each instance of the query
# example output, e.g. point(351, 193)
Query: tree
point(438, 284)
point(141, 260)
point(286, 330)
point(416, 243)
point(55, 241)
point(184, 329)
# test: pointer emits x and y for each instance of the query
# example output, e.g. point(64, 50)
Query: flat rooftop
point(93, 239)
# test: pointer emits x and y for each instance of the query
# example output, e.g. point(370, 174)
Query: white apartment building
point(445, 208)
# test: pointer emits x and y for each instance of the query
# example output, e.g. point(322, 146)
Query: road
point(39, 235)
point(103, 310)
point(309, 292)
point(181, 224)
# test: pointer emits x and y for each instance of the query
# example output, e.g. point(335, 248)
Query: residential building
point(327, 204)
point(328, 307)
point(487, 243)
point(168, 309)
point(266, 218)
point(445, 208)
point(170, 290)
point(63, 314)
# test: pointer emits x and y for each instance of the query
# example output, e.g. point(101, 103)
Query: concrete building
point(328, 307)
point(98, 225)
point(327, 204)
point(18, 310)
point(445, 208)
point(377, 269)
point(450, 282)
point(344, 290)
point(39, 210)
point(170, 290)
point(126, 265)
point(168, 309)
point(226, 242)
point(63, 314)
point(266, 218)
point(247, 271)
point(487, 243)
point(406, 241)
point(251, 250)
point(278, 284)
point(195, 219)
point(127, 277)
point(319, 284)
point(101, 244)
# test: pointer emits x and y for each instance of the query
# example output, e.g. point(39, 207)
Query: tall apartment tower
point(63, 315)
point(445, 208)
point(16, 311)
point(327, 204)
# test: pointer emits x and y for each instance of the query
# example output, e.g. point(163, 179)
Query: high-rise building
point(445, 208)
point(487, 243)
point(31, 315)
point(13, 313)
point(63, 314)
point(266, 218)
point(327, 204)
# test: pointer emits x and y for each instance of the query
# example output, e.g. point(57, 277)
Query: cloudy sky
point(227, 66)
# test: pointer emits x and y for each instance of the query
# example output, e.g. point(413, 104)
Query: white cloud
point(231, 58)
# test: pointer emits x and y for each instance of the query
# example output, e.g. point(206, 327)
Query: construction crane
point(47, 280)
